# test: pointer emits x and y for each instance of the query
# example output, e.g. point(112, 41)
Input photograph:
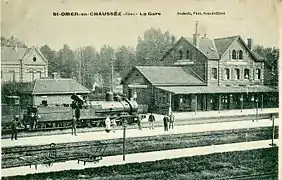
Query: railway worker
point(114, 124)
point(139, 122)
point(171, 120)
point(166, 120)
point(151, 121)
point(108, 124)
point(14, 128)
point(73, 126)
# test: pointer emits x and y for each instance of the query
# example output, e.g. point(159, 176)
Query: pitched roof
point(58, 86)
point(207, 47)
point(169, 75)
point(12, 54)
point(222, 44)
point(216, 89)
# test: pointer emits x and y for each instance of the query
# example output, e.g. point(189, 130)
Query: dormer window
point(180, 54)
point(34, 59)
point(234, 54)
point(240, 54)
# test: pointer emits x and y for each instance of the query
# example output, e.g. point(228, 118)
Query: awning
point(216, 89)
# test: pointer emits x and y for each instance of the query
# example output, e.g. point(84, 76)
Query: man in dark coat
point(151, 121)
point(14, 128)
point(166, 120)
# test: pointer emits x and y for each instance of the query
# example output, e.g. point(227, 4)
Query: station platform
point(139, 158)
point(204, 114)
point(102, 135)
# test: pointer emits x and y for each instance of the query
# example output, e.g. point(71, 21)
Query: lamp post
point(124, 130)
point(272, 118)
point(257, 101)
point(241, 100)
point(253, 99)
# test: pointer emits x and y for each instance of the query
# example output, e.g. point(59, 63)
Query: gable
point(34, 57)
point(136, 78)
point(238, 45)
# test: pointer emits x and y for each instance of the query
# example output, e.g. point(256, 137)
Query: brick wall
point(196, 60)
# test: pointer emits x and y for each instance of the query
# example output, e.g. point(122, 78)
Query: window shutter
point(230, 54)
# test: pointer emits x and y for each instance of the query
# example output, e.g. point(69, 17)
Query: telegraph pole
point(112, 76)
point(112, 73)
point(79, 70)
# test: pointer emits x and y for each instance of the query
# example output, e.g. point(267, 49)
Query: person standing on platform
point(114, 124)
point(108, 124)
point(139, 122)
point(151, 121)
point(14, 128)
point(73, 126)
point(171, 120)
point(166, 120)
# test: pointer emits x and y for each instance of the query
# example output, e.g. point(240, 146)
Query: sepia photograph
point(153, 89)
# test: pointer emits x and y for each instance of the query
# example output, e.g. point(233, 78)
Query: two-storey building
point(200, 73)
point(22, 64)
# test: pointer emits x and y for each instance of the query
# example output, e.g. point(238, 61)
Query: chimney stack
point(196, 36)
point(250, 43)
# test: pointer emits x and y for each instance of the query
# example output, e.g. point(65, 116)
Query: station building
point(202, 74)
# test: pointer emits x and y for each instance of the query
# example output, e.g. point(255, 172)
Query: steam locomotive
point(89, 113)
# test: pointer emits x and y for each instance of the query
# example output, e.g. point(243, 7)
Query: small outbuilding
point(53, 92)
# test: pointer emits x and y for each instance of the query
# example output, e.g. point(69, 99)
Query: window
point(214, 73)
point(258, 73)
point(180, 54)
point(227, 73)
point(240, 54)
point(246, 73)
point(12, 75)
point(188, 54)
point(237, 73)
point(34, 59)
point(234, 54)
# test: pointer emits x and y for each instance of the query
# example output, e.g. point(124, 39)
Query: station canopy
point(216, 89)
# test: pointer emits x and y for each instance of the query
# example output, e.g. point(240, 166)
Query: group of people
point(110, 124)
point(168, 121)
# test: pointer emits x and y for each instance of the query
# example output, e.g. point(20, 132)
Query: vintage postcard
point(130, 89)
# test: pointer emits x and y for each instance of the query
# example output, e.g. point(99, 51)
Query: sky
point(32, 21)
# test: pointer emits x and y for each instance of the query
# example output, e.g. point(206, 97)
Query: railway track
point(263, 176)
point(178, 122)
point(72, 151)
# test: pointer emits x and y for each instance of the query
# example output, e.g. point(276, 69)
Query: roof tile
point(12, 54)
point(58, 86)
point(169, 75)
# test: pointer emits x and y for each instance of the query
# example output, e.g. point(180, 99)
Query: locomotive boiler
point(91, 113)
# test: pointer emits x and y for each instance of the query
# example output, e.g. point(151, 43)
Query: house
point(53, 92)
point(203, 74)
point(22, 64)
